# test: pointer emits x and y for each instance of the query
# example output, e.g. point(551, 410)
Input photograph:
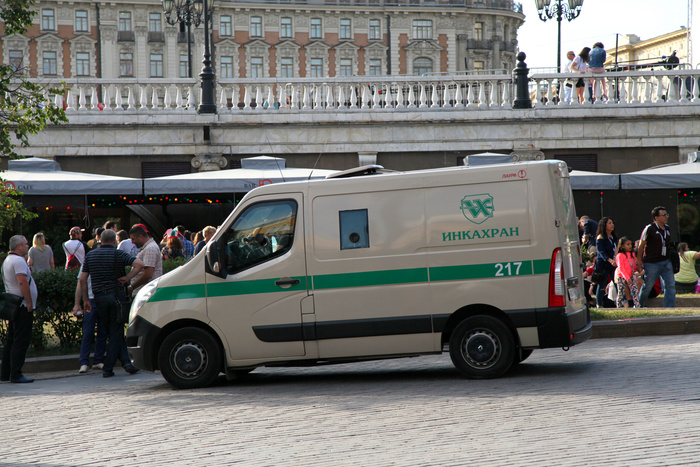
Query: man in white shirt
point(569, 85)
point(74, 247)
point(18, 280)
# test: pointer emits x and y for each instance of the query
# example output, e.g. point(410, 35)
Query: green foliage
point(170, 264)
point(55, 305)
point(17, 15)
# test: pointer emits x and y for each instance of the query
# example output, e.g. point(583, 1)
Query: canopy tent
point(59, 183)
point(34, 164)
point(677, 176)
point(254, 172)
point(582, 180)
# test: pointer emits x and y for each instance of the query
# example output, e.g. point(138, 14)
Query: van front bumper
point(141, 340)
point(561, 329)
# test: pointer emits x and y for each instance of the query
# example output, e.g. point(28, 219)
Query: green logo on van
point(477, 208)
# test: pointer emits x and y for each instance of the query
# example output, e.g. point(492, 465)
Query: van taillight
point(556, 280)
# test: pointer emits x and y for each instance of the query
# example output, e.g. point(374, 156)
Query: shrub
point(56, 297)
point(170, 264)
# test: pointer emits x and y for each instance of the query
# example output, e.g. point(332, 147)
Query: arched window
point(422, 66)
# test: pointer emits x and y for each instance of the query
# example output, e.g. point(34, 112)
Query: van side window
point(262, 231)
point(354, 229)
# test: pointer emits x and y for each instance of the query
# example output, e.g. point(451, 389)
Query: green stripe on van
point(370, 278)
point(179, 292)
point(481, 271)
point(223, 289)
point(541, 266)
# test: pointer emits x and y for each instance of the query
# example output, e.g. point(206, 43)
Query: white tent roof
point(582, 180)
point(669, 177)
point(34, 164)
point(228, 181)
point(70, 183)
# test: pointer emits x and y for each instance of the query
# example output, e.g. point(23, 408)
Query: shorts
point(580, 83)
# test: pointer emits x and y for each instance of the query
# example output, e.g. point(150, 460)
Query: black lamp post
point(193, 13)
point(559, 9)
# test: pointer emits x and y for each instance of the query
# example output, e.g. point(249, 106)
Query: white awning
point(59, 183)
point(582, 180)
point(676, 176)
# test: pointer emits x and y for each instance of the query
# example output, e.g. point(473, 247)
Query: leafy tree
point(24, 106)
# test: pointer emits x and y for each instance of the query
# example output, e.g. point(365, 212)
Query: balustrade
point(383, 93)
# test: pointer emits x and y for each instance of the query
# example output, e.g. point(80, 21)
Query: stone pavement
point(632, 401)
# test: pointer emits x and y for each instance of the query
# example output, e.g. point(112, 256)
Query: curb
point(636, 327)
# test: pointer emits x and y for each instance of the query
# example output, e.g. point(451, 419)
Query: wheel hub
point(189, 359)
point(481, 349)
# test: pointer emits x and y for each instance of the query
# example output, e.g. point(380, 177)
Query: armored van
point(483, 262)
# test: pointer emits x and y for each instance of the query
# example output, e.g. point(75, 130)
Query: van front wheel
point(482, 347)
point(189, 358)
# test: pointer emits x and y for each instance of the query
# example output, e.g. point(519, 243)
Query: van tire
point(482, 347)
point(189, 358)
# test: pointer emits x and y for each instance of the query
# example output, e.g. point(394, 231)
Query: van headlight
point(142, 296)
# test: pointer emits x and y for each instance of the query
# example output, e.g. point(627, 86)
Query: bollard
point(522, 94)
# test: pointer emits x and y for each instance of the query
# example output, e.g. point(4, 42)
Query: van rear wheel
point(482, 347)
point(189, 358)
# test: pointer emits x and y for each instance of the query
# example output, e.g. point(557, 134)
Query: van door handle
point(282, 282)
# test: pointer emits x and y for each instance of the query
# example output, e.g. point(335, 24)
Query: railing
point(489, 4)
point(441, 92)
point(650, 87)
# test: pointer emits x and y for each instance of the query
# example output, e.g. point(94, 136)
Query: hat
point(75, 230)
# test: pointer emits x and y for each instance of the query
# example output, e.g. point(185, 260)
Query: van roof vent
point(360, 171)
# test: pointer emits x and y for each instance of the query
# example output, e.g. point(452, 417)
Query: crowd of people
point(104, 289)
point(587, 61)
point(626, 273)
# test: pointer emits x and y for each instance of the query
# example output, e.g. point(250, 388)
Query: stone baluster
point(365, 97)
point(623, 92)
point(482, 95)
point(191, 100)
point(696, 89)
point(353, 97)
point(611, 91)
point(671, 95)
point(597, 91)
point(458, 95)
point(155, 104)
point(493, 94)
point(659, 89)
point(399, 95)
point(684, 91)
point(58, 101)
point(411, 97)
point(561, 83)
point(587, 92)
point(93, 98)
point(81, 99)
point(178, 99)
point(635, 91)
point(118, 99)
point(549, 98)
point(422, 97)
point(246, 97)
point(143, 101)
point(305, 99)
point(434, 97)
point(282, 97)
point(258, 98)
point(130, 99)
point(223, 102)
point(341, 97)
point(647, 89)
point(318, 96)
point(270, 97)
point(69, 100)
point(386, 96)
point(106, 98)
point(167, 100)
point(507, 104)
point(470, 96)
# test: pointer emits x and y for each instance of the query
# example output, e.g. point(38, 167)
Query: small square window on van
point(354, 229)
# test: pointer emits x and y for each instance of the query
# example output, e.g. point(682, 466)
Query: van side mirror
point(216, 259)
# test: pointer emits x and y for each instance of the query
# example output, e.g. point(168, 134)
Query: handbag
point(9, 305)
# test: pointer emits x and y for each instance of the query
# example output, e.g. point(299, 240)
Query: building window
point(316, 68)
point(124, 21)
point(154, 22)
point(226, 67)
point(316, 32)
point(345, 29)
point(49, 59)
point(256, 67)
point(82, 64)
point(184, 66)
point(256, 26)
point(16, 59)
point(81, 21)
point(479, 31)
point(126, 64)
point(286, 27)
point(156, 65)
point(375, 67)
point(478, 65)
point(48, 20)
point(375, 29)
point(225, 25)
point(287, 67)
point(345, 67)
point(422, 66)
point(422, 29)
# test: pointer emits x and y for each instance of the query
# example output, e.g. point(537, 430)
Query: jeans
point(90, 321)
point(19, 335)
point(653, 271)
point(107, 311)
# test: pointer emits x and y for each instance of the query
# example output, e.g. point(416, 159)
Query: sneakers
point(83, 369)
point(107, 374)
point(98, 366)
point(131, 369)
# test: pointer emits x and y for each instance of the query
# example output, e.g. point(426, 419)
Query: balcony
point(182, 38)
point(479, 44)
point(125, 36)
point(156, 36)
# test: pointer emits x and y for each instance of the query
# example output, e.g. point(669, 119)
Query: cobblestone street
point(633, 401)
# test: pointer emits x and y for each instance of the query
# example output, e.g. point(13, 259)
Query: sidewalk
point(52, 367)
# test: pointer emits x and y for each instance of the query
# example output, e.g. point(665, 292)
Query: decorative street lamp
point(569, 9)
point(193, 13)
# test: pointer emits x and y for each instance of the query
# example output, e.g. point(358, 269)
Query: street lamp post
point(559, 9)
point(193, 13)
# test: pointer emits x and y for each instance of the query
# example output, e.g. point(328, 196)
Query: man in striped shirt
point(105, 266)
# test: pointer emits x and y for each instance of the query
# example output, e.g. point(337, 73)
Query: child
point(626, 275)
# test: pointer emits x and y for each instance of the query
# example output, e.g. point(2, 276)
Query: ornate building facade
point(269, 38)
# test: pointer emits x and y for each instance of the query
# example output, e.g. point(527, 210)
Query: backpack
point(73, 263)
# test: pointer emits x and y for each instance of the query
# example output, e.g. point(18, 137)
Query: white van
point(483, 261)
